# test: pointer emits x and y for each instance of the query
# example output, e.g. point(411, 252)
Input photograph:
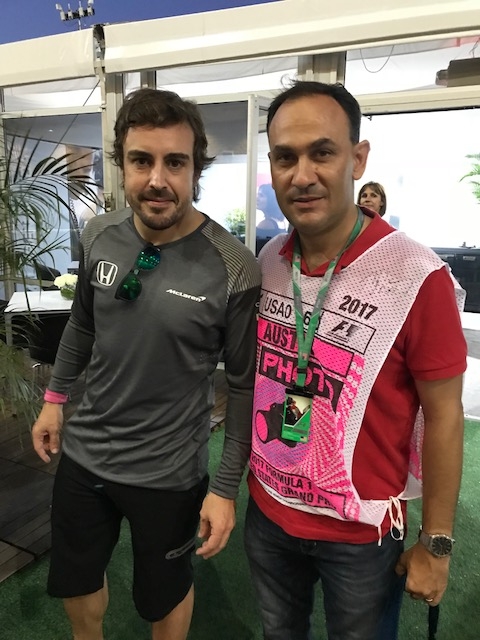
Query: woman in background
point(372, 195)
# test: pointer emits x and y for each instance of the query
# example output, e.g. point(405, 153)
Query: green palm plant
point(474, 173)
point(32, 206)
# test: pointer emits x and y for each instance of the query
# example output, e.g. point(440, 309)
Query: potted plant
point(32, 206)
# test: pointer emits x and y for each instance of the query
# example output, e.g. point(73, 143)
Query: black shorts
point(86, 516)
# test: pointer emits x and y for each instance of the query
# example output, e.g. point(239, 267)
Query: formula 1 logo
point(344, 330)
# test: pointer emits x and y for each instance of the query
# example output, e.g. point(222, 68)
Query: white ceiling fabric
point(68, 55)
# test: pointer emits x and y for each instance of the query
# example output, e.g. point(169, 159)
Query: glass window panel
point(270, 220)
point(224, 183)
point(132, 82)
point(420, 159)
point(403, 67)
point(53, 95)
point(250, 76)
point(54, 136)
point(83, 129)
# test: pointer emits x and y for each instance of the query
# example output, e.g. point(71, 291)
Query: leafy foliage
point(235, 221)
point(475, 172)
point(18, 386)
point(31, 210)
point(31, 204)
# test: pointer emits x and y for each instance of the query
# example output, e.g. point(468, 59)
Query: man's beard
point(163, 219)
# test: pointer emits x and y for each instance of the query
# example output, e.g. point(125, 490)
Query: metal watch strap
point(438, 544)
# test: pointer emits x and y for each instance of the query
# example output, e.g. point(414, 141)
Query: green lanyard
point(305, 340)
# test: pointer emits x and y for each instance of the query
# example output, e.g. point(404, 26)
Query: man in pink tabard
point(351, 319)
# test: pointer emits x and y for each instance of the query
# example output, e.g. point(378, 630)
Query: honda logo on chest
point(106, 273)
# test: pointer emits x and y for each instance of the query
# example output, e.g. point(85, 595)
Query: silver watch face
point(442, 545)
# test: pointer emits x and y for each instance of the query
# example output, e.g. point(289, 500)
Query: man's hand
point(217, 519)
point(46, 430)
point(427, 576)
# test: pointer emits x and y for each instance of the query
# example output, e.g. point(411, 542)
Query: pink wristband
point(54, 397)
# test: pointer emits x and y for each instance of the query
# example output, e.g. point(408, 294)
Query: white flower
point(66, 280)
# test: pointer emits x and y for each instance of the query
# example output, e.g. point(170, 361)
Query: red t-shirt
point(430, 346)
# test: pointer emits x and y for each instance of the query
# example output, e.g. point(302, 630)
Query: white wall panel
point(279, 28)
point(60, 57)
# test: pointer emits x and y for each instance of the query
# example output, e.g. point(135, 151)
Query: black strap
point(433, 614)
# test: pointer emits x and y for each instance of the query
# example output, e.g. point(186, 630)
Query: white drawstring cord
point(396, 523)
point(397, 526)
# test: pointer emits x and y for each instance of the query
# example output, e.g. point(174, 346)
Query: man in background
point(162, 291)
point(351, 317)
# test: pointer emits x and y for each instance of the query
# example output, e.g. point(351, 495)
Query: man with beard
point(162, 291)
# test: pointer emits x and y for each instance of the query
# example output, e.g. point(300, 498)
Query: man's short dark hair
point(159, 108)
point(303, 89)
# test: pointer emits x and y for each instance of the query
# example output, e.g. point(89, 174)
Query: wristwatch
point(439, 544)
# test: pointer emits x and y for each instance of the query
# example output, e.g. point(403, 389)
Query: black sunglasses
point(131, 287)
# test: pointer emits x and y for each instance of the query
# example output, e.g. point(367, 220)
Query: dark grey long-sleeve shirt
point(145, 416)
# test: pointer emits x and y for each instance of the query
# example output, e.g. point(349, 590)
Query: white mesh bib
point(365, 308)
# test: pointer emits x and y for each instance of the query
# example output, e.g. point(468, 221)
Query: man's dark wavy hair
point(159, 108)
point(304, 89)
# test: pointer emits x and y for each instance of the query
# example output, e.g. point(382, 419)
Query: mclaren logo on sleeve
point(106, 273)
